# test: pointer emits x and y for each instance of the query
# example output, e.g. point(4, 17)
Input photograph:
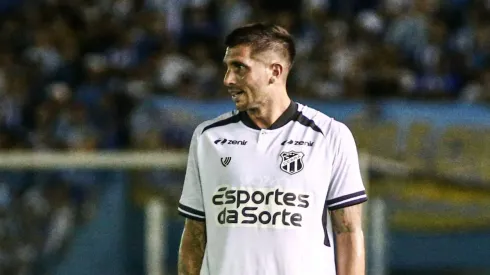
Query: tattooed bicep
point(195, 226)
point(348, 219)
point(196, 230)
point(192, 247)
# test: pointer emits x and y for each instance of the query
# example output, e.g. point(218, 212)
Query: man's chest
point(267, 161)
point(249, 182)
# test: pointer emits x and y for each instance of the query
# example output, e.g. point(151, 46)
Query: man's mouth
point(235, 93)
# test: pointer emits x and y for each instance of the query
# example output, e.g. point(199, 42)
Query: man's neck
point(266, 115)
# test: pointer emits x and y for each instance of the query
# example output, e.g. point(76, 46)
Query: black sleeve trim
point(192, 217)
point(347, 204)
point(191, 210)
point(346, 197)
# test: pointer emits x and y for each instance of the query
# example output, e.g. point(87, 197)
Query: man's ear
point(277, 71)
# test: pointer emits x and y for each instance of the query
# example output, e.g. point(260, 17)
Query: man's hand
point(347, 226)
point(192, 246)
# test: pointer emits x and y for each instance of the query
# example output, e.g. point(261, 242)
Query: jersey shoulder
point(330, 127)
point(221, 120)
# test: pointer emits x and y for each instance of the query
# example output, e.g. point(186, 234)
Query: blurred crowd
point(74, 75)
point(82, 75)
point(39, 214)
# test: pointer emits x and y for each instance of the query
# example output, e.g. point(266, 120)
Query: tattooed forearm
point(192, 248)
point(347, 225)
point(340, 221)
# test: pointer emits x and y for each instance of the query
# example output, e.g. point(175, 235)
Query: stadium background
point(410, 77)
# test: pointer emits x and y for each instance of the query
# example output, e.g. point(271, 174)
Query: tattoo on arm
point(347, 225)
point(347, 220)
point(192, 247)
point(339, 223)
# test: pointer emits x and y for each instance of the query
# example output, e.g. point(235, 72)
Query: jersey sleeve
point(346, 186)
point(191, 201)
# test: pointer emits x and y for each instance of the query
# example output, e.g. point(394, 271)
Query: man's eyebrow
point(236, 63)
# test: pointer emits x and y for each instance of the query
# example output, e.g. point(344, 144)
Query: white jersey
point(265, 194)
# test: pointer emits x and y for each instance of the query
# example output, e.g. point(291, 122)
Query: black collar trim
point(291, 113)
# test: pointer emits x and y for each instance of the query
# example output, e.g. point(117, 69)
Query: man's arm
point(347, 226)
point(192, 246)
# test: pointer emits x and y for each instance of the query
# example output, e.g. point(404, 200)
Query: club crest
point(292, 162)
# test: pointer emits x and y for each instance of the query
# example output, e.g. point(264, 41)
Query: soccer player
point(273, 187)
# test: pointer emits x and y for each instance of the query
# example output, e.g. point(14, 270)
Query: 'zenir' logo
point(223, 141)
point(296, 142)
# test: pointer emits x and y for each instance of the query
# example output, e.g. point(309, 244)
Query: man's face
point(246, 78)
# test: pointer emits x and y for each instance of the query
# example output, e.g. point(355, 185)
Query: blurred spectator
point(479, 89)
point(206, 70)
point(234, 13)
point(43, 52)
point(173, 65)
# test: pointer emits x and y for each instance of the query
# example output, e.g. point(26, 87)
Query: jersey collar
point(289, 114)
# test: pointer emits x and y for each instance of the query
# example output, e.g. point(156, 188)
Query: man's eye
point(239, 68)
point(242, 68)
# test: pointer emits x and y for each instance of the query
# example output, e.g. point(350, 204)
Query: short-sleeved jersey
point(264, 194)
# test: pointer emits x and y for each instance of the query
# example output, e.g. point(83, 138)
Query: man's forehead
point(241, 52)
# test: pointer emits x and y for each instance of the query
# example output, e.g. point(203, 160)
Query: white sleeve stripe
point(190, 215)
point(346, 200)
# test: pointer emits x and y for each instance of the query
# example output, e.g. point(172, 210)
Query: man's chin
point(241, 107)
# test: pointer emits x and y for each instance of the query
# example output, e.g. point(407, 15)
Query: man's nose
point(229, 78)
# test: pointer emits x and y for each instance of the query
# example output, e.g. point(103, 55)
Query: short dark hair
point(262, 37)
